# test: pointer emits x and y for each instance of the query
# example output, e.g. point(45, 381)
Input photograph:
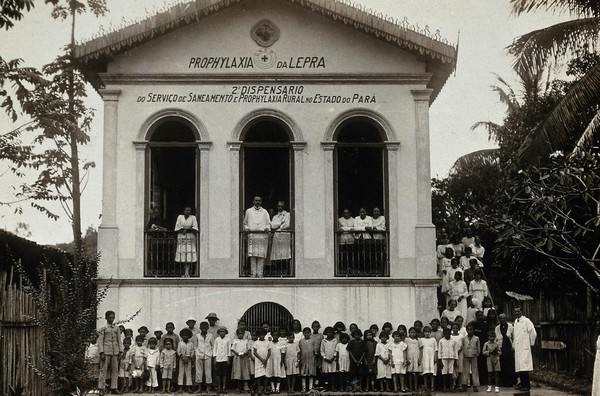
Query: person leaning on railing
point(187, 227)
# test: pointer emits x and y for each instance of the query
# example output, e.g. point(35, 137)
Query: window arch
point(277, 315)
point(361, 183)
point(266, 164)
point(172, 183)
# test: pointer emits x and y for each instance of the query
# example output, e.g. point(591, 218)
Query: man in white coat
point(257, 219)
point(524, 338)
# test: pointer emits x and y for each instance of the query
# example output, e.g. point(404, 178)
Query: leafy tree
point(13, 10)
point(560, 43)
point(66, 301)
point(53, 99)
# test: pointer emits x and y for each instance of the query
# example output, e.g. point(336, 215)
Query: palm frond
point(575, 7)
point(475, 159)
point(558, 42)
point(590, 136)
point(553, 132)
point(492, 128)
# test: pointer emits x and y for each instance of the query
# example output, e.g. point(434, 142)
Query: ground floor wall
point(362, 301)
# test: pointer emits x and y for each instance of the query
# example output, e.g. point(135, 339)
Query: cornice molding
point(238, 78)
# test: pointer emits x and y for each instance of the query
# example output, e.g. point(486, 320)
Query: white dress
point(186, 243)
point(478, 290)
point(282, 247)
point(276, 368)
point(398, 357)
point(429, 348)
point(383, 370)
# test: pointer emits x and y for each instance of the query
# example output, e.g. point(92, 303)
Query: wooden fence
point(21, 340)
point(566, 331)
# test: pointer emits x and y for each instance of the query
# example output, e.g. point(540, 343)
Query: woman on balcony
point(187, 227)
point(281, 249)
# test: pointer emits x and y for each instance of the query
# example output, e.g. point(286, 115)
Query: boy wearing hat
point(213, 328)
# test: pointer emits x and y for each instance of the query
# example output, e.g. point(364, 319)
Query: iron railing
point(362, 253)
point(275, 248)
point(161, 247)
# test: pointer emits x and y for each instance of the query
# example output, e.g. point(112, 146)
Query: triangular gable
point(439, 56)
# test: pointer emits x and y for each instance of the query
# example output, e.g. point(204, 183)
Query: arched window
point(266, 168)
point(277, 315)
point(171, 185)
point(361, 183)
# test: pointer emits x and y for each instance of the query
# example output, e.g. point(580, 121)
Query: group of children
point(259, 361)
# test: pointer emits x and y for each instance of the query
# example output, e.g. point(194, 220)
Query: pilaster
point(204, 235)
point(299, 214)
point(108, 238)
point(234, 190)
point(424, 229)
point(330, 216)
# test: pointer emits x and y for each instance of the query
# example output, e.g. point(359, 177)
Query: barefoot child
point(221, 354)
point(292, 361)
point(308, 364)
point(343, 359)
point(240, 368)
point(185, 351)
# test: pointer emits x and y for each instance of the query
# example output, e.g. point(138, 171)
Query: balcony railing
point(363, 253)
point(275, 247)
point(161, 247)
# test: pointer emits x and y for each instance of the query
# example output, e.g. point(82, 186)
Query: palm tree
point(536, 50)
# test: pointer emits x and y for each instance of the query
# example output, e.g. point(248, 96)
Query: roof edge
point(383, 27)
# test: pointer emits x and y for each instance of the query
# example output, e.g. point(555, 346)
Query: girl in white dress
point(327, 349)
point(478, 287)
point(398, 351)
point(384, 368)
point(277, 365)
point(428, 357)
point(262, 353)
point(292, 357)
point(186, 227)
point(343, 358)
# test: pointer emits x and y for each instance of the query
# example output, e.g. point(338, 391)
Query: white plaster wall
point(303, 33)
point(363, 305)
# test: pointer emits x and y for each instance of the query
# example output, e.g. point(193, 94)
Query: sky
point(486, 27)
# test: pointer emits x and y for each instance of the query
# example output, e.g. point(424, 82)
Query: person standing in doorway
point(257, 219)
point(281, 251)
point(524, 339)
point(187, 228)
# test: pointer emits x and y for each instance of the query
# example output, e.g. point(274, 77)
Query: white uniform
point(257, 219)
point(524, 338)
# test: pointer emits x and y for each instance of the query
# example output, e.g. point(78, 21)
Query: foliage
point(13, 10)
point(554, 212)
point(560, 43)
point(66, 299)
point(58, 123)
point(544, 218)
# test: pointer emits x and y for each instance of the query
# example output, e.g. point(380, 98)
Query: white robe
point(282, 248)
point(257, 219)
point(524, 338)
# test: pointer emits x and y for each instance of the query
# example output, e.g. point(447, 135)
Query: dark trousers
point(524, 376)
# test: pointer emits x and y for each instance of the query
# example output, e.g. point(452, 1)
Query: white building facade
point(314, 103)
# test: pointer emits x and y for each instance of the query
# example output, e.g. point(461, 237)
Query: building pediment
point(266, 37)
